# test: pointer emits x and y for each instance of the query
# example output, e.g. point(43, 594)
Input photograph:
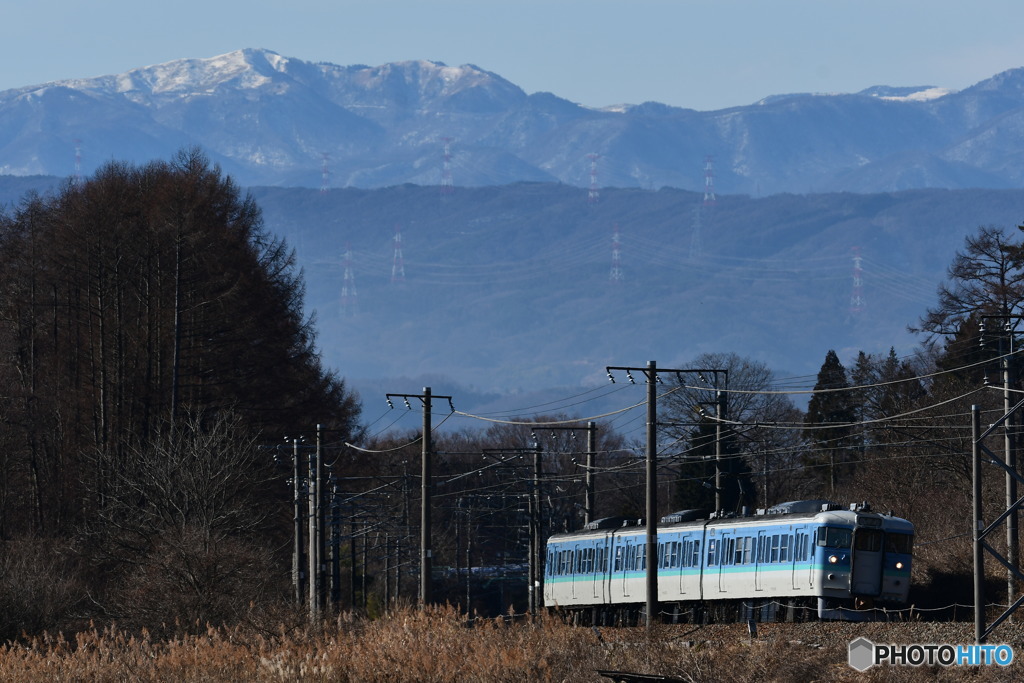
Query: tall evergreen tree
point(829, 421)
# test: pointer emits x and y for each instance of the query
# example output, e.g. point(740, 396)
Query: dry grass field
point(439, 646)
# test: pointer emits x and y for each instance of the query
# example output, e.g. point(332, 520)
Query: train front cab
point(862, 567)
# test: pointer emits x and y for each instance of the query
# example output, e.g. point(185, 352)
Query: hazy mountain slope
point(507, 289)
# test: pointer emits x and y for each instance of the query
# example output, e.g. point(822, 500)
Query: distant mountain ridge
point(274, 120)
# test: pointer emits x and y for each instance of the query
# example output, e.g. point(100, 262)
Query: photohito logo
point(863, 654)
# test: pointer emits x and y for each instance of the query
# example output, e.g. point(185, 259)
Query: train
point(794, 561)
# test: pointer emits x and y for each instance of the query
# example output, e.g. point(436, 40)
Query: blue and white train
point(796, 559)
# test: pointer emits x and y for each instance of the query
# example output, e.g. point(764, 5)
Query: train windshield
point(899, 543)
point(832, 537)
point(868, 539)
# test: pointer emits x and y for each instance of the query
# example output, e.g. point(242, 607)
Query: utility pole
point(426, 398)
point(588, 501)
point(469, 557)
point(651, 554)
point(720, 414)
point(651, 521)
point(314, 531)
point(977, 528)
point(297, 522)
point(535, 533)
point(335, 546)
point(426, 490)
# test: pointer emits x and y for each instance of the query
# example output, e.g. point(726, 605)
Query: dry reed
point(435, 645)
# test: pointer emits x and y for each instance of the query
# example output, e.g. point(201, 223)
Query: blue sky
point(706, 54)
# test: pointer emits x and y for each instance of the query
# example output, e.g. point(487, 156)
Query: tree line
point(151, 336)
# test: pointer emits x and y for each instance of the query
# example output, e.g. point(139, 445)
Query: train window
point(712, 558)
point(899, 543)
point(832, 537)
point(869, 540)
point(784, 548)
point(760, 548)
point(775, 549)
point(618, 558)
point(695, 558)
point(641, 558)
point(630, 558)
point(748, 544)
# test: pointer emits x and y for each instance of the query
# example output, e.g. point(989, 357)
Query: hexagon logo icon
point(862, 654)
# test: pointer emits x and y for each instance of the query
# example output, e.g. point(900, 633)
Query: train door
point(684, 547)
point(629, 553)
point(866, 560)
point(726, 549)
point(573, 569)
point(796, 557)
point(760, 553)
point(811, 554)
point(606, 569)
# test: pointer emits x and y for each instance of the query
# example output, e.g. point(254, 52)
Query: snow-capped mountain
point(273, 120)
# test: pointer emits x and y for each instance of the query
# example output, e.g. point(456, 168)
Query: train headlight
point(832, 559)
point(899, 565)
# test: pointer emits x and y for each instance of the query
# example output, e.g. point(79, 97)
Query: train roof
point(820, 511)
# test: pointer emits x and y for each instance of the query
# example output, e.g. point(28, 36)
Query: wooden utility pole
point(651, 521)
point(652, 494)
point(978, 528)
point(588, 501)
point(297, 522)
point(314, 531)
point(535, 534)
point(426, 488)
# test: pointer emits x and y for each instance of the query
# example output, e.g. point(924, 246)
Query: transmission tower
point(325, 173)
point(78, 161)
point(709, 181)
point(349, 301)
point(447, 184)
point(594, 194)
point(398, 264)
point(616, 272)
point(857, 294)
point(696, 241)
